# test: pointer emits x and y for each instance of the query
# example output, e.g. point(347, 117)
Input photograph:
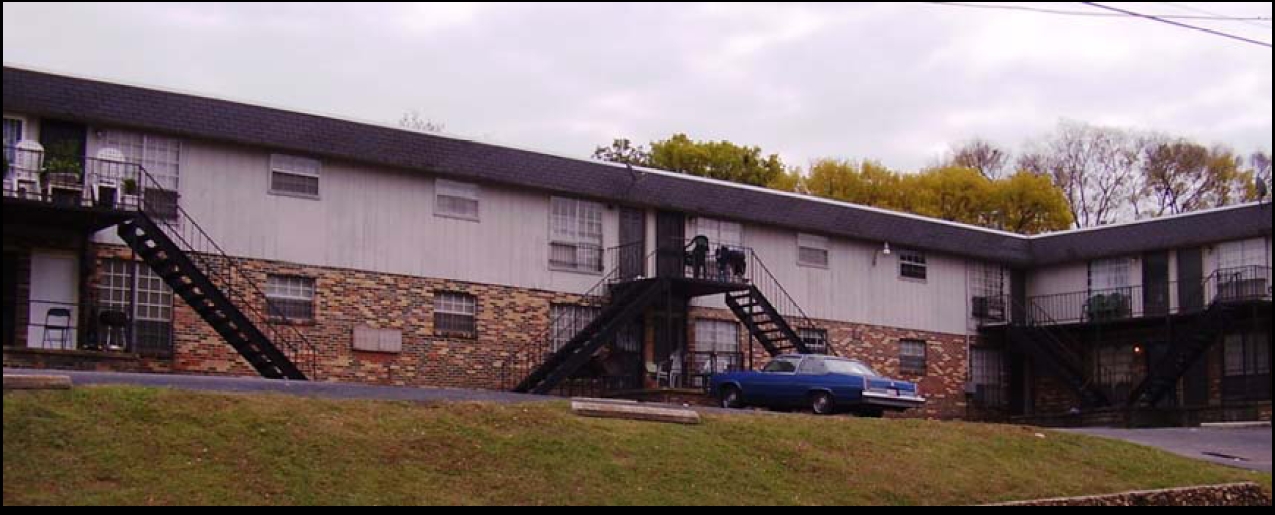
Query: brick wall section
point(83, 360)
point(947, 359)
point(1239, 494)
point(507, 320)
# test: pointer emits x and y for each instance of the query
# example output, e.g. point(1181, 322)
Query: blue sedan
point(823, 384)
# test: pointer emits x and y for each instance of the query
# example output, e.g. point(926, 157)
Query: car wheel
point(731, 398)
point(821, 403)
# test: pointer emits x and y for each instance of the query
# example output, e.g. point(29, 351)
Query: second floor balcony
point(1235, 285)
point(67, 188)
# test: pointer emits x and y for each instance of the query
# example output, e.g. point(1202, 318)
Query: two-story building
point(149, 230)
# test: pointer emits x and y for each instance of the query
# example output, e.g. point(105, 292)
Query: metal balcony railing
point(79, 181)
point(1236, 284)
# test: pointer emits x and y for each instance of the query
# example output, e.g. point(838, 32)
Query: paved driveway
point(1244, 448)
point(303, 388)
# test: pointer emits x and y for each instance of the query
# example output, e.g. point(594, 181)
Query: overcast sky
point(895, 82)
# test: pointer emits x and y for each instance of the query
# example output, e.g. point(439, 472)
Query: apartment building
point(148, 230)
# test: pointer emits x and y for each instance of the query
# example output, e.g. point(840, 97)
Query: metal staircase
point(174, 246)
point(767, 320)
point(629, 302)
point(1224, 289)
point(1055, 352)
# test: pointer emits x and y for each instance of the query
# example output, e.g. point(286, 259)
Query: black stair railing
point(622, 264)
point(761, 278)
point(238, 284)
point(1089, 378)
point(1219, 292)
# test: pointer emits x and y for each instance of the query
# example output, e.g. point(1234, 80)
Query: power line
point(1179, 24)
point(1197, 10)
point(1065, 12)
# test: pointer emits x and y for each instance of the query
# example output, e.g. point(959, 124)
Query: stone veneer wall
point(1239, 494)
point(947, 359)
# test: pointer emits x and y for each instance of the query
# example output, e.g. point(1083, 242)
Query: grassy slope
point(146, 446)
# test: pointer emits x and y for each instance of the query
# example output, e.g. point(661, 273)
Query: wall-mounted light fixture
point(885, 251)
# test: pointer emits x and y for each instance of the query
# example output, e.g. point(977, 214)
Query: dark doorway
point(1155, 283)
point(10, 298)
point(1018, 295)
point(1195, 384)
point(632, 242)
point(1190, 280)
point(670, 236)
point(63, 140)
point(1019, 399)
point(1155, 353)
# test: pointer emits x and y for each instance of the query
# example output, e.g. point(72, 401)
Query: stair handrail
point(525, 358)
point(300, 348)
point(804, 321)
point(1207, 304)
point(1039, 318)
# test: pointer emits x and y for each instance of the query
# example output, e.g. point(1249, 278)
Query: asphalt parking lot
point(1248, 448)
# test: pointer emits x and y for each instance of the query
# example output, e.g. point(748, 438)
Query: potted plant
point(130, 186)
point(63, 173)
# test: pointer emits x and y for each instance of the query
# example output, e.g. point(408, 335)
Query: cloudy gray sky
point(894, 82)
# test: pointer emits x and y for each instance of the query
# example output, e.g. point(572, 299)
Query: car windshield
point(836, 366)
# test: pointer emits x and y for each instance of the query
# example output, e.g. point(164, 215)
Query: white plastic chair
point(28, 160)
point(107, 176)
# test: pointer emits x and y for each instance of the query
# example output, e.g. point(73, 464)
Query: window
point(1113, 367)
point(575, 235)
point(294, 175)
point(1107, 274)
point(568, 320)
point(987, 287)
point(455, 315)
point(160, 156)
point(816, 340)
point(812, 250)
point(716, 346)
point(12, 135)
point(719, 232)
point(1246, 367)
point(912, 265)
point(456, 199)
point(912, 357)
point(119, 282)
point(290, 298)
point(781, 366)
point(1237, 254)
point(812, 367)
point(987, 373)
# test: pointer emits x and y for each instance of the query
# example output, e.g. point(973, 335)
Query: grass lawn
point(127, 445)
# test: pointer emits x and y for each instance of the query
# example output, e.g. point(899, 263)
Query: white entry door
point(54, 300)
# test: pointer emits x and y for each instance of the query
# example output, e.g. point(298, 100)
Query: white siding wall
point(370, 219)
point(852, 289)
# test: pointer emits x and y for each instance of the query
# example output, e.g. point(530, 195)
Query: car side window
point(780, 366)
point(812, 367)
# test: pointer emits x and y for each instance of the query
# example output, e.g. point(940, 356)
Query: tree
point(981, 155)
point(866, 182)
point(622, 151)
point(954, 193)
point(413, 121)
point(1181, 176)
point(716, 159)
point(1260, 166)
point(1028, 203)
point(1095, 167)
